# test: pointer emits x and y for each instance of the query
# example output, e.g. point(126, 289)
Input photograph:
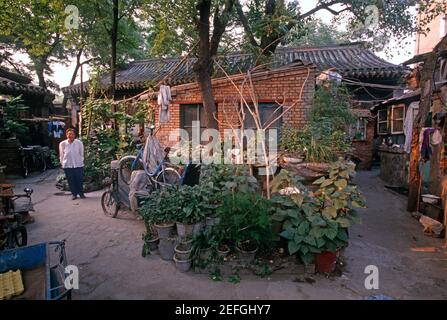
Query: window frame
point(379, 122)
point(199, 110)
point(357, 129)
point(399, 119)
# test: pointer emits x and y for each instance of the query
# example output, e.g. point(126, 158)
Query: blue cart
point(43, 270)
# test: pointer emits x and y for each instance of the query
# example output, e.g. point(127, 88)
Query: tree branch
point(220, 24)
point(323, 6)
point(245, 24)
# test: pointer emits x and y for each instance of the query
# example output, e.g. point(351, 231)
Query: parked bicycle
point(110, 200)
point(34, 158)
point(163, 174)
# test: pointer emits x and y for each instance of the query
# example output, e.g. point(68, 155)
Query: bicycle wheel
point(41, 163)
point(20, 236)
point(109, 206)
point(25, 168)
point(127, 165)
point(168, 176)
point(17, 237)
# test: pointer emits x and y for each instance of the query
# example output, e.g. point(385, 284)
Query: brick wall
point(364, 150)
point(283, 86)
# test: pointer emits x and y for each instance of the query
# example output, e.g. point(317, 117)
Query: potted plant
point(245, 220)
point(191, 215)
point(318, 227)
point(151, 241)
point(183, 265)
point(159, 210)
point(166, 248)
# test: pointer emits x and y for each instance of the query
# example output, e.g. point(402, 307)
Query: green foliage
point(325, 138)
point(10, 124)
point(103, 143)
point(193, 204)
point(226, 179)
point(160, 206)
point(315, 33)
point(184, 204)
point(318, 221)
point(245, 220)
point(376, 22)
point(332, 103)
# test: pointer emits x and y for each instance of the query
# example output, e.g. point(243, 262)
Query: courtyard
point(108, 253)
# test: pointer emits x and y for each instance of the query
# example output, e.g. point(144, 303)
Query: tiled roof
point(15, 84)
point(350, 60)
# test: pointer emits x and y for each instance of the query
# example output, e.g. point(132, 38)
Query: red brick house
point(360, 69)
point(282, 85)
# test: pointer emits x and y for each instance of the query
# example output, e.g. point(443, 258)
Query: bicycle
point(33, 158)
point(110, 201)
point(162, 175)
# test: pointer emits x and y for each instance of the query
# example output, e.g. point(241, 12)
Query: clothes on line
point(164, 98)
point(412, 111)
point(56, 128)
point(429, 137)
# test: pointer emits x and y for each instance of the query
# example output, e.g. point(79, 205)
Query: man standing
point(71, 152)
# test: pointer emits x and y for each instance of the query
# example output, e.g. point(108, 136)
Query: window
point(397, 119)
point(268, 113)
point(382, 123)
point(358, 129)
point(190, 113)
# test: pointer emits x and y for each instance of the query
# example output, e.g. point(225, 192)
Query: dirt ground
point(108, 253)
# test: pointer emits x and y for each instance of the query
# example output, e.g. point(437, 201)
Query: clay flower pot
point(165, 230)
point(325, 261)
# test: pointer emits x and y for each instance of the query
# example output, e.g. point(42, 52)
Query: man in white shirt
point(71, 152)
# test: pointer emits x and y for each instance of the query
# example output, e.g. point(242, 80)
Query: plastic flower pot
point(181, 264)
point(182, 251)
point(205, 253)
point(185, 230)
point(246, 256)
point(325, 261)
point(223, 251)
point(198, 227)
point(166, 248)
point(212, 221)
point(153, 244)
point(165, 230)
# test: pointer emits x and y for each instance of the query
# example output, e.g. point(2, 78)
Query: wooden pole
point(81, 101)
point(426, 85)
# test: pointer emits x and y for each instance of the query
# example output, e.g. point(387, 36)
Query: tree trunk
point(205, 84)
point(426, 85)
point(75, 74)
point(39, 66)
point(114, 40)
point(203, 66)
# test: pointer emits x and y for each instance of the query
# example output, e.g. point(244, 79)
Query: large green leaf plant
point(318, 221)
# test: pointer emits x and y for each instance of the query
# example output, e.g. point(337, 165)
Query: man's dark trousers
point(75, 177)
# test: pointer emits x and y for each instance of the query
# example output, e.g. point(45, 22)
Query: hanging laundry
point(164, 98)
point(426, 150)
point(56, 129)
point(436, 138)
